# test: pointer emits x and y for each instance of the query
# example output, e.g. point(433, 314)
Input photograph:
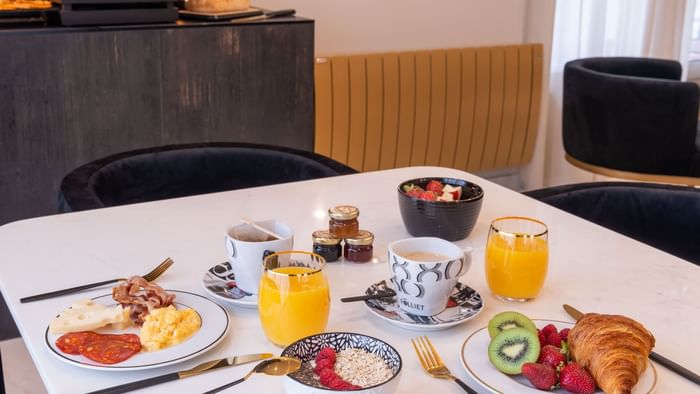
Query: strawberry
point(564, 334)
point(575, 379)
point(412, 190)
point(554, 339)
point(434, 186)
point(542, 376)
point(428, 196)
point(413, 193)
point(552, 356)
point(548, 329)
point(542, 338)
point(327, 353)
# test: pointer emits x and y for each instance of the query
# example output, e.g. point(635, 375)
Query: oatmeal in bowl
point(343, 361)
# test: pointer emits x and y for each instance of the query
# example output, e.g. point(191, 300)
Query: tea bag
point(251, 234)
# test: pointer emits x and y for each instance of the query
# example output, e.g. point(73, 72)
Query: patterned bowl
point(307, 348)
point(449, 220)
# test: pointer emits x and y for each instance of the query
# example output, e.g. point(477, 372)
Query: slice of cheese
point(86, 315)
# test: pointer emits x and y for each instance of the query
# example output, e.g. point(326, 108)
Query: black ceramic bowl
point(449, 220)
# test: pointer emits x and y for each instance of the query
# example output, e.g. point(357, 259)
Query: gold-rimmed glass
point(294, 300)
point(517, 255)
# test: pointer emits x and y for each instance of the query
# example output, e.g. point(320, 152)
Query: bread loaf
point(217, 5)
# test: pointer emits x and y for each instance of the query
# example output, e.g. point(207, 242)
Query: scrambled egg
point(165, 327)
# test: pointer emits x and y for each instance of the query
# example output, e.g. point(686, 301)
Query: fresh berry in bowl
point(440, 207)
point(343, 361)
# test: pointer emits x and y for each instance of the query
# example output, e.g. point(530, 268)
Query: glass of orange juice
point(293, 300)
point(516, 258)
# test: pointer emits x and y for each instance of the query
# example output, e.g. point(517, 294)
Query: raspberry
point(326, 373)
point(548, 329)
point(322, 364)
point(337, 384)
point(542, 338)
point(564, 334)
point(554, 339)
point(327, 376)
point(327, 353)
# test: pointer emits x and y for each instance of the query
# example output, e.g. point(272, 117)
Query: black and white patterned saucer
point(220, 282)
point(464, 304)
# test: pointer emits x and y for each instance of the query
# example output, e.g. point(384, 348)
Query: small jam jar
point(358, 249)
point(326, 245)
point(343, 223)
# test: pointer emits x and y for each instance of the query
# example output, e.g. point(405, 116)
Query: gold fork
point(433, 364)
point(156, 272)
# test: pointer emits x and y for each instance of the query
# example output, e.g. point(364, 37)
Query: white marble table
point(590, 267)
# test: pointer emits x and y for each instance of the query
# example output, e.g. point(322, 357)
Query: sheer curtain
point(587, 28)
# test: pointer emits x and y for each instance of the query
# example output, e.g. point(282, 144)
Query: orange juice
point(516, 266)
point(293, 305)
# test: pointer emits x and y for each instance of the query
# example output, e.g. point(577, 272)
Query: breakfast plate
point(215, 325)
point(220, 282)
point(464, 304)
point(475, 360)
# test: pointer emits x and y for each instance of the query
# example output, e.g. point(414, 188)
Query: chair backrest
point(473, 109)
point(184, 170)
point(630, 115)
point(666, 217)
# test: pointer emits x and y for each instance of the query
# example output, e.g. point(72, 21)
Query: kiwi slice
point(507, 320)
point(510, 349)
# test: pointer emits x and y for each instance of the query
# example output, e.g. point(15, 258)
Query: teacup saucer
point(220, 282)
point(464, 304)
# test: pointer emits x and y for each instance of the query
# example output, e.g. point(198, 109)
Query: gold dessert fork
point(433, 364)
point(156, 272)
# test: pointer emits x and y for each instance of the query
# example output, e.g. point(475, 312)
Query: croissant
point(614, 349)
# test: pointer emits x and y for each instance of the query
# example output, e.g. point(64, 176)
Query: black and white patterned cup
point(424, 271)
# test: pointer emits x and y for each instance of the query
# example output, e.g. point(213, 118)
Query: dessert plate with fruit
point(464, 304)
point(517, 354)
point(220, 282)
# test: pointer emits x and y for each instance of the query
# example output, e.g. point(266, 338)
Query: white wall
point(365, 26)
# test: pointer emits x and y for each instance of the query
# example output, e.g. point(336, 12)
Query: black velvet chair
point(663, 216)
point(184, 170)
point(631, 118)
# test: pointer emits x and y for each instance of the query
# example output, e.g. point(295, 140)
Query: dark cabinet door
point(70, 96)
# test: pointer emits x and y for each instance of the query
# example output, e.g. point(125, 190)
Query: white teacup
point(424, 272)
point(247, 248)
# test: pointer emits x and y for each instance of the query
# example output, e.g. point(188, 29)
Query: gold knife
point(573, 312)
point(201, 368)
point(686, 373)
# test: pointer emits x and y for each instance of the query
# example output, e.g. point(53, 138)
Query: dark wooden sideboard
point(72, 95)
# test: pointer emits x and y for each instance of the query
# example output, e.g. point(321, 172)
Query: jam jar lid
point(323, 237)
point(343, 212)
point(363, 237)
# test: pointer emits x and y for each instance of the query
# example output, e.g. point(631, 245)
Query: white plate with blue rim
point(220, 282)
point(475, 359)
point(464, 304)
point(215, 326)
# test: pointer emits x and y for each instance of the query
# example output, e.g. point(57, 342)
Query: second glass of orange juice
point(294, 300)
point(516, 258)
